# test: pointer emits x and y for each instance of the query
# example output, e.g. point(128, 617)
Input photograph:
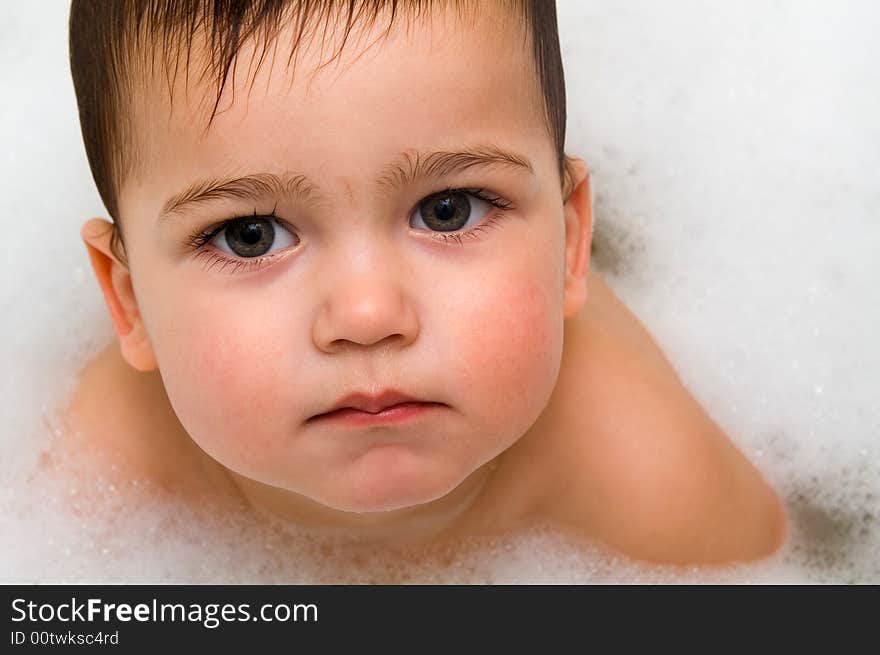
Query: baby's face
point(362, 282)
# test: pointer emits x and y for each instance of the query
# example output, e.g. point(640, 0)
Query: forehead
point(440, 80)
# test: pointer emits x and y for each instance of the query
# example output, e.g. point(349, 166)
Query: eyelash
point(198, 239)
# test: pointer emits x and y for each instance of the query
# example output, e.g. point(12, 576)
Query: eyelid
point(225, 248)
point(201, 238)
point(498, 205)
point(492, 221)
point(215, 257)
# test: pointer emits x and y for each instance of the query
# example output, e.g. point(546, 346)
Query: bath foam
point(91, 530)
point(736, 214)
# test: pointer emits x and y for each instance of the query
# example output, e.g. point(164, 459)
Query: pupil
point(446, 210)
point(251, 233)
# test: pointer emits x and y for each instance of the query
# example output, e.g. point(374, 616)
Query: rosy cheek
point(513, 346)
point(221, 382)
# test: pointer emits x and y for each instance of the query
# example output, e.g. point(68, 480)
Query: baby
point(351, 284)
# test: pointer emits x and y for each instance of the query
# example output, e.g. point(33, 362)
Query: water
point(736, 161)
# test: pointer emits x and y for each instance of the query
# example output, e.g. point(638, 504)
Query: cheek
point(221, 373)
point(511, 333)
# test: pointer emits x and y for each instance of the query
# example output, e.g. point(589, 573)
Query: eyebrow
point(410, 166)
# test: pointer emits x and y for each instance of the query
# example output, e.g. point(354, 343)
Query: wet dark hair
point(113, 41)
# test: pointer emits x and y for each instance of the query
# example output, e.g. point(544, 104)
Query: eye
point(450, 210)
point(252, 236)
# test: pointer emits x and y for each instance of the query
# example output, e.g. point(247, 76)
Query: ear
point(114, 279)
point(578, 210)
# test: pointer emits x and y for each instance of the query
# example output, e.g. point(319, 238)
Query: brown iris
point(447, 211)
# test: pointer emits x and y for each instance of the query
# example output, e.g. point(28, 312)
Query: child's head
point(397, 216)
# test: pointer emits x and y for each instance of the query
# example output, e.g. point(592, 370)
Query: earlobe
point(115, 281)
point(578, 211)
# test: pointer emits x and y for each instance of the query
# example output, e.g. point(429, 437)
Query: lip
point(372, 403)
point(388, 406)
point(398, 413)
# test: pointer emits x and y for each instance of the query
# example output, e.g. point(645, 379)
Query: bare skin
point(623, 453)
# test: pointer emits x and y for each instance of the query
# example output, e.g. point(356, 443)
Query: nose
point(365, 303)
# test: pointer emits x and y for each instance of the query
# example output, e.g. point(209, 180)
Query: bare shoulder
point(120, 420)
point(652, 474)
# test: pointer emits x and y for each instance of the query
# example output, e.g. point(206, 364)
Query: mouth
point(397, 413)
point(372, 403)
point(389, 406)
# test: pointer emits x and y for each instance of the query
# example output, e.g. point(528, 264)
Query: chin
point(395, 488)
point(387, 498)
